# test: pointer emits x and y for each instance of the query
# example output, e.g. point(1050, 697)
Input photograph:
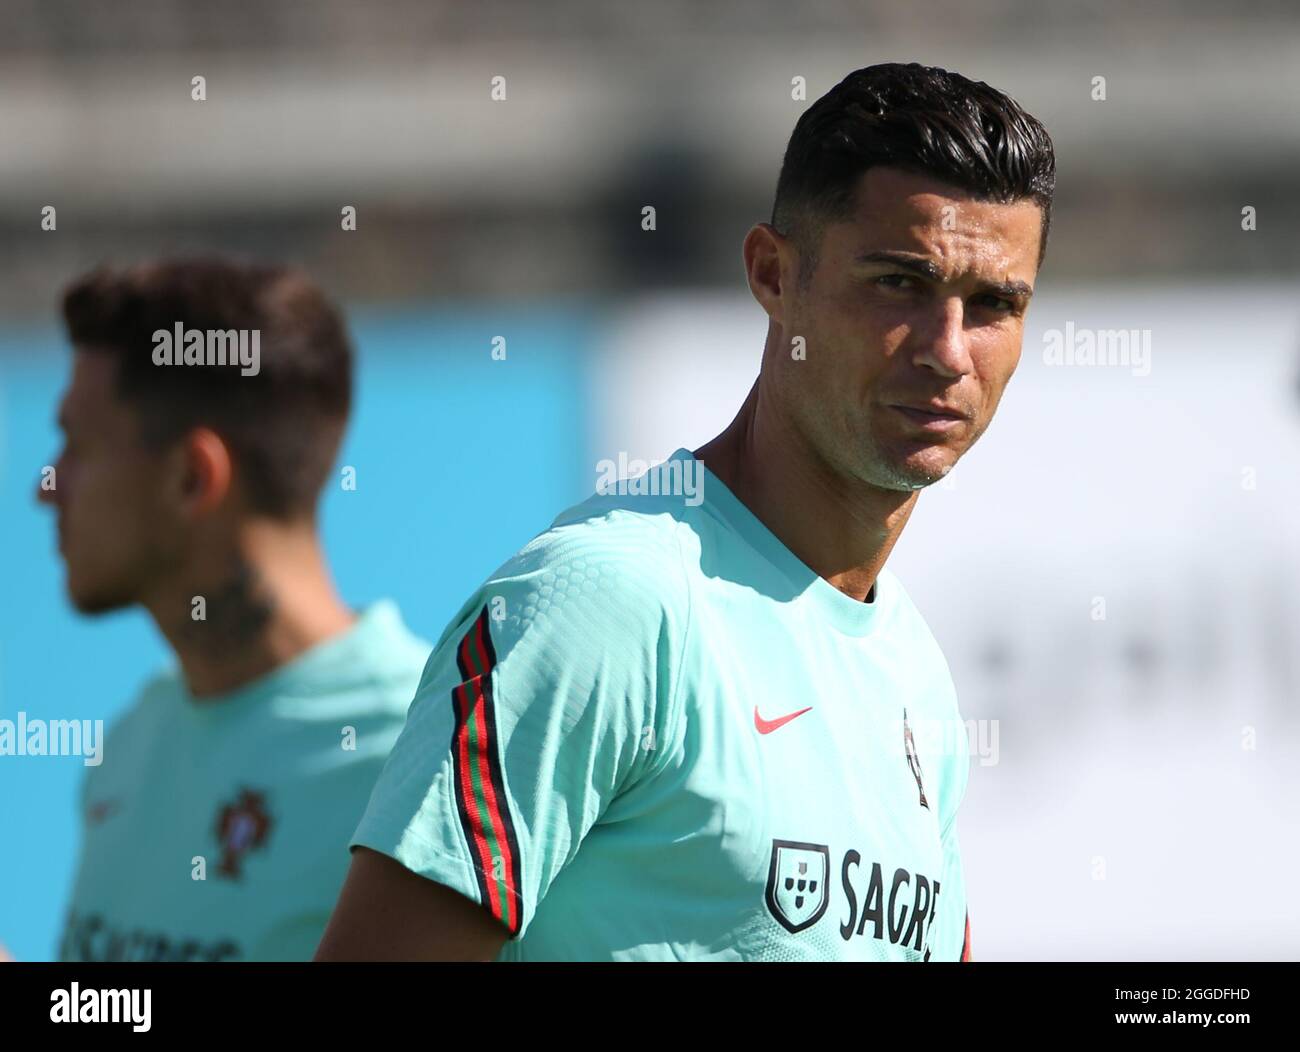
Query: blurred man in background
point(206, 406)
point(699, 719)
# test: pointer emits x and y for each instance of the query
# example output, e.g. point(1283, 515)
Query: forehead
point(896, 210)
point(91, 395)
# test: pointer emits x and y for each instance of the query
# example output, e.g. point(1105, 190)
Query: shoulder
point(910, 625)
point(595, 609)
point(152, 704)
point(130, 734)
point(610, 564)
point(391, 659)
point(639, 535)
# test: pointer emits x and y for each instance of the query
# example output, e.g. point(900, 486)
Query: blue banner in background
point(459, 458)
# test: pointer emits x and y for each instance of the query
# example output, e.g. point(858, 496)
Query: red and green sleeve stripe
point(480, 787)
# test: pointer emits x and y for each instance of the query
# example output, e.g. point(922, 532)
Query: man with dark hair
point(718, 728)
point(206, 406)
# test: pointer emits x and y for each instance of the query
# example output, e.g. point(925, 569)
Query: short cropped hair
point(917, 118)
point(284, 423)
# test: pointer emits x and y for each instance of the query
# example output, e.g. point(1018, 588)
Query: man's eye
point(997, 303)
point(893, 281)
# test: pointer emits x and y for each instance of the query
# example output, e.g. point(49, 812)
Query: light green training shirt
point(656, 734)
point(218, 829)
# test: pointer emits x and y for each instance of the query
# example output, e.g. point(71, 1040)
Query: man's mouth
point(932, 417)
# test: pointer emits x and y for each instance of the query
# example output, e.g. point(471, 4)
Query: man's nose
point(944, 347)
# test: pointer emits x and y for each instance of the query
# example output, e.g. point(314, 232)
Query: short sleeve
point(538, 707)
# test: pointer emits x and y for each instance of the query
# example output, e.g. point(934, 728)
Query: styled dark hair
point(284, 423)
point(918, 118)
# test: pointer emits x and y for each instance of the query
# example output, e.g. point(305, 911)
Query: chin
point(89, 600)
point(930, 470)
point(909, 481)
point(905, 472)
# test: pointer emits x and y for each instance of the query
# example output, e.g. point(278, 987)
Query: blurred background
point(1143, 797)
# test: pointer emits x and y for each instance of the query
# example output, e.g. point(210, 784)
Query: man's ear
point(770, 267)
point(207, 470)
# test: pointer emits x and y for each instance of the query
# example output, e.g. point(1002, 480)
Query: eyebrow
point(929, 270)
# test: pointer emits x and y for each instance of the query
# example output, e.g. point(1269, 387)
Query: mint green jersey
point(217, 829)
point(656, 734)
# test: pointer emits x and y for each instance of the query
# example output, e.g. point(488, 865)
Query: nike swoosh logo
point(768, 726)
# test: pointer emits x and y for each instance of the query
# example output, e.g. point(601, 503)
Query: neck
point(843, 529)
point(248, 607)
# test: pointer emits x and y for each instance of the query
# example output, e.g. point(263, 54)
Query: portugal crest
point(242, 827)
point(796, 884)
